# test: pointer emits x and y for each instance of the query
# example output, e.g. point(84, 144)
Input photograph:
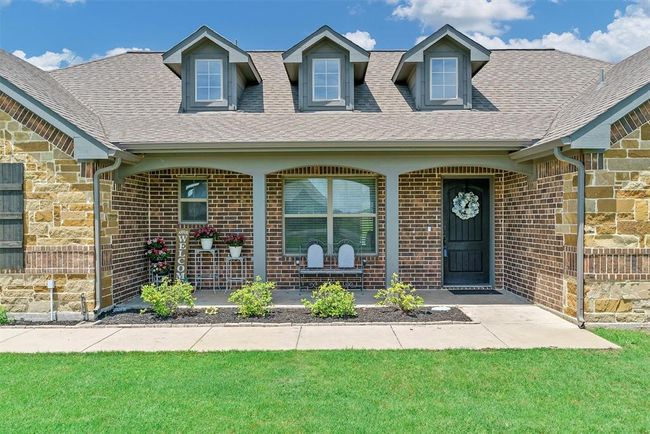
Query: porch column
point(259, 225)
point(392, 224)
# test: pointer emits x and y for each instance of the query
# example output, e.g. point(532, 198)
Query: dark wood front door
point(466, 244)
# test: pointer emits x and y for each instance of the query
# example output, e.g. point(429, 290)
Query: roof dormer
point(325, 66)
point(214, 71)
point(439, 70)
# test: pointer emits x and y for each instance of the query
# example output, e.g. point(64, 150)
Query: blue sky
point(63, 32)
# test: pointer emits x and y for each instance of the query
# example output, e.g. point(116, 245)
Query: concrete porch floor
point(292, 298)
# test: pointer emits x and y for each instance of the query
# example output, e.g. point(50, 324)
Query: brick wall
point(128, 267)
point(533, 249)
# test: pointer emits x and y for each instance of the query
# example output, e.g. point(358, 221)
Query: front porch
point(394, 208)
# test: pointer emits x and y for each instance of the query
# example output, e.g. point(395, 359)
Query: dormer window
point(209, 80)
point(214, 72)
point(325, 67)
point(444, 78)
point(326, 80)
point(438, 70)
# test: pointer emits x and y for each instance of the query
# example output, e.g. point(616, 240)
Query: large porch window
point(330, 209)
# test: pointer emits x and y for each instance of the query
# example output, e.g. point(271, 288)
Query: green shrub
point(400, 295)
point(4, 319)
point(331, 300)
point(166, 297)
point(253, 298)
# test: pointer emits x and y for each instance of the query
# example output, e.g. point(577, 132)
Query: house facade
point(526, 171)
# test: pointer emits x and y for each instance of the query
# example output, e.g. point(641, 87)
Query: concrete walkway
point(495, 326)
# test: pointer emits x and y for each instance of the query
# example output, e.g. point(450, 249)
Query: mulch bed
point(286, 315)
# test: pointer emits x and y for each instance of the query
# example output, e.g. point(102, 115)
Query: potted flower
point(234, 243)
point(206, 234)
point(162, 268)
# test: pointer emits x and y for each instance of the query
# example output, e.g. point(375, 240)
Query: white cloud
point(4, 3)
point(49, 60)
point(628, 33)
point(119, 50)
point(362, 39)
point(484, 16)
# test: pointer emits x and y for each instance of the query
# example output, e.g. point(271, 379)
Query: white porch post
point(392, 224)
point(259, 225)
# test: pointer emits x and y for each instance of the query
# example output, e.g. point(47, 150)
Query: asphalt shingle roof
point(515, 96)
point(44, 88)
point(621, 81)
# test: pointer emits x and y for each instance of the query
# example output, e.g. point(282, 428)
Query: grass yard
point(337, 391)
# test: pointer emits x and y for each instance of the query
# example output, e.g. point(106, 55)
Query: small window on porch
point(193, 201)
point(330, 210)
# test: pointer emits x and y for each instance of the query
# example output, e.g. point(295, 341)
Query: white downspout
point(580, 247)
point(98, 228)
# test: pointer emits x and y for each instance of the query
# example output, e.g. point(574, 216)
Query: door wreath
point(466, 205)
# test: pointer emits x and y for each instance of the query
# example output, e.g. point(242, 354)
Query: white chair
point(346, 256)
point(315, 256)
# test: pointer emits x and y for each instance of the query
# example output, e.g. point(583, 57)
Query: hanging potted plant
point(206, 234)
point(234, 243)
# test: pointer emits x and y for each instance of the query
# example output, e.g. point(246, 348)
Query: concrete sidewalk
point(496, 326)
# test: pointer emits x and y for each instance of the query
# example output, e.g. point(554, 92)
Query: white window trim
point(330, 216)
point(196, 80)
point(182, 200)
point(313, 80)
point(455, 59)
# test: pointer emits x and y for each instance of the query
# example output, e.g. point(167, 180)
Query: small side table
point(234, 275)
point(212, 272)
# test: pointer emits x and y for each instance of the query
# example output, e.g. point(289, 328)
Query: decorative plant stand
point(156, 279)
point(236, 274)
point(206, 267)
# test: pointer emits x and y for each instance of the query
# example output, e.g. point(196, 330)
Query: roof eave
point(320, 146)
point(594, 135)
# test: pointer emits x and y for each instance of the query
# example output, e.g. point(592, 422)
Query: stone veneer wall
point(420, 207)
point(58, 217)
point(617, 240)
point(282, 269)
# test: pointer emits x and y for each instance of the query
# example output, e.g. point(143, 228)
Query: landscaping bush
point(331, 300)
point(166, 297)
point(400, 295)
point(4, 319)
point(253, 298)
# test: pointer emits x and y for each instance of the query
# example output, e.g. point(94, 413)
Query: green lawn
point(337, 391)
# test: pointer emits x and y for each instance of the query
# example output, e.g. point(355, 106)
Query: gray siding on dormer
point(422, 78)
point(328, 50)
point(208, 50)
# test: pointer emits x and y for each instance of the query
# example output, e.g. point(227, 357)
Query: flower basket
point(234, 243)
point(206, 234)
